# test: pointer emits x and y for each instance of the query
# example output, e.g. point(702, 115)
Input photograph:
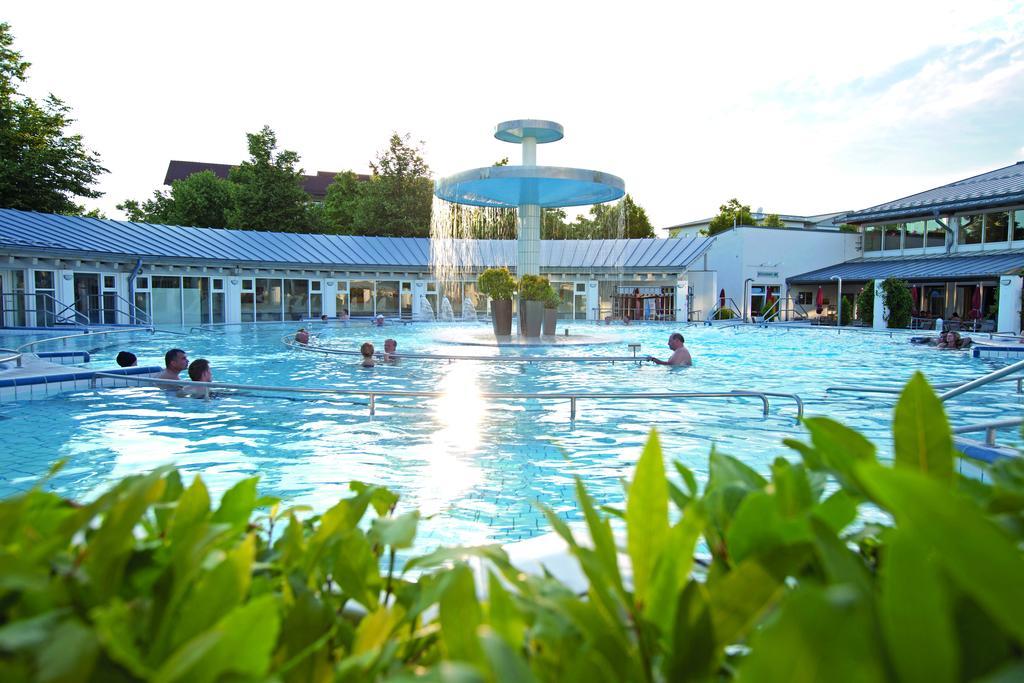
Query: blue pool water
point(476, 467)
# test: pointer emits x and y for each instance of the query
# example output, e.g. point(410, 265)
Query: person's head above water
point(127, 359)
point(390, 345)
point(366, 349)
point(379, 320)
point(675, 340)
point(199, 371)
point(176, 360)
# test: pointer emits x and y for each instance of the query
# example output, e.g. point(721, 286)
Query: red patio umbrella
point(913, 295)
point(721, 298)
point(820, 300)
point(976, 303)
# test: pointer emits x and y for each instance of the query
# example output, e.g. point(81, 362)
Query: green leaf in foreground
point(921, 432)
point(980, 557)
point(647, 515)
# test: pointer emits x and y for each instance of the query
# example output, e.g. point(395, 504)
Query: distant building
point(821, 221)
point(960, 246)
point(315, 185)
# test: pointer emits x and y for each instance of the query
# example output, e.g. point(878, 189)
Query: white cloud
point(796, 106)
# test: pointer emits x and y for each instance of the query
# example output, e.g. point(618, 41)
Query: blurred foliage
point(833, 566)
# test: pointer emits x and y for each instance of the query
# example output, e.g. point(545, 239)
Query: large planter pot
point(501, 317)
point(550, 321)
point(533, 317)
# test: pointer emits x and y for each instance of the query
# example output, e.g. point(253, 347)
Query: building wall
point(769, 256)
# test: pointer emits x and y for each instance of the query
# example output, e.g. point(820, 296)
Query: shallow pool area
point(475, 466)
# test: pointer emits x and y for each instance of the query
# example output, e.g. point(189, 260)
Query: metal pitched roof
point(930, 268)
point(1000, 187)
point(30, 232)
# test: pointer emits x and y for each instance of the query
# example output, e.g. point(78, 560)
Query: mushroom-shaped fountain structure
point(529, 187)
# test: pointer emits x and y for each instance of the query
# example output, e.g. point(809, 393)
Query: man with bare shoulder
point(175, 363)
point(680, 356)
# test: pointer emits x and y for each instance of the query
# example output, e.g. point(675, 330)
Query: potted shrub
point(500, 286)
point(551, 304)
point(533, 292)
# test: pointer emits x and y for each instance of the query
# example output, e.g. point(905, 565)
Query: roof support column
point(1010, 287)
point(878, 320)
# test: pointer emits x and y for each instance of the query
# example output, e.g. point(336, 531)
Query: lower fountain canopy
point(545, 186)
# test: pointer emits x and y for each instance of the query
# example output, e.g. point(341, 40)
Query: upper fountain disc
point(545, 186)
point(542, 131)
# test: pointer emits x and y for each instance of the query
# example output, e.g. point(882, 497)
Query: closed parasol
point(820, 301)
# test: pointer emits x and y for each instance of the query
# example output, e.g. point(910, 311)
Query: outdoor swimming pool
point(475, 466)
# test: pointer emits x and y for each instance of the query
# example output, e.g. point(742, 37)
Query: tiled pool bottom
point(475, 468)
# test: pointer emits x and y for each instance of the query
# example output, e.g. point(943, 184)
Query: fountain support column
point(528, 233)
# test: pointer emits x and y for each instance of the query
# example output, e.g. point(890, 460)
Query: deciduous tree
point(397, 199)
point(730, 214)
point(42, 166)
point(268, 188)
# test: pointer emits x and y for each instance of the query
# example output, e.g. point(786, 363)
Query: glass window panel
point(872, 238)
point(218, 308)
point(566, 293)
point(314, 285)
point(935, 234)
point(247, 285)
point(142, 283)
point(166, 300)
point(108, 282)
point(913, 237)
point(387, 298)
point(406, 301)
point(1018, 225)
point(341, 299)
point(361, 297)
point(997, 227)
point(142, 301)
point(296, 298)
point(248, 307)
point(218, 283)
point(891, 237)
point(269, 296)
point(316, 304)
point(195, 296)
point(970, 229)
point(44, 279)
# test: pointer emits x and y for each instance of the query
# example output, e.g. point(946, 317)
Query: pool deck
point(39, 378)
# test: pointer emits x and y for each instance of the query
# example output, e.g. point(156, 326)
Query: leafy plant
point(497, 283)
point(724, 314)
point(846, 315)
point(552, 300)
point(152, 582)
point(534, 288)
point(866, 303)
point(897, 299)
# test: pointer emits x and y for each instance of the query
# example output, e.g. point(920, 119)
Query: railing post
point(373, 404)
point(572, 408)
point(990, 436)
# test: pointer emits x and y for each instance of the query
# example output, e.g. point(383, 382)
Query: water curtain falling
point(457, 254)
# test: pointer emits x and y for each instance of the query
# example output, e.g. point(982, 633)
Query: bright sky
point(796, 107)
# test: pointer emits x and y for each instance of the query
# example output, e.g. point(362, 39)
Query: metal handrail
point(898, 390)
point(983, 380)
point(289, 341)
point(990, 428)
point(90, 333)
point(730, 306)
point(57, 313)
point(372, 394)
point(15, 356)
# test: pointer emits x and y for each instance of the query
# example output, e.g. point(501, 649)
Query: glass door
point(87, 296)
point(405, 310)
